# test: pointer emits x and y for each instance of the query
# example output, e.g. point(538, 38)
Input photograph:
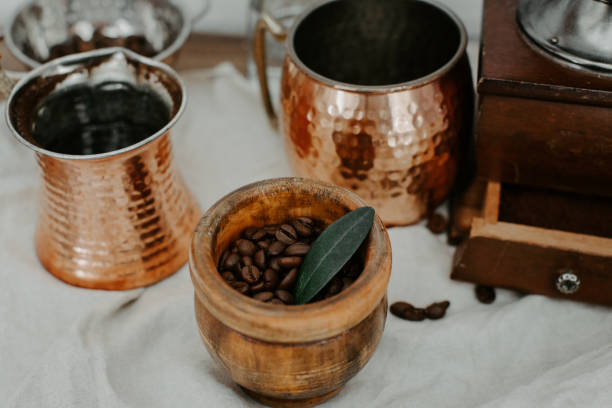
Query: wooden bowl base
point(291, 403)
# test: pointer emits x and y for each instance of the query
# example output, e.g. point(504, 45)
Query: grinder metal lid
point(575, 32)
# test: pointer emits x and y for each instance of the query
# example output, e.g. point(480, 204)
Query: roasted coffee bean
point(346, 282)
point(406, 311)
point(231, 262)
point(289, 261)
point(276, 248)
point(437, 310)
point(257, 287)
point(264, 243)
point(274, 264)
point(259, 234)
point(264, 296)
point(276, 301)
point(270, 278)
point(241, 287)
point(249, 232)
point(246, 261)
point(297, 249)
point(286, 234)
point(260, 258)
point(234, 249)
point(333, 287)
point(285, 296)
point(250, 273)
point(246, 247)
point(289, 280)
point(223, 258)
point(436, 223)
point(303, 226)
point(228, 276)
point(485, 294)
point(270, 230)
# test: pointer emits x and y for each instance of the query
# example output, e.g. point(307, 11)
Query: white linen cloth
point(62, 346)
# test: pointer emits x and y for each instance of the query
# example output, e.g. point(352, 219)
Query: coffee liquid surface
point(83, 119)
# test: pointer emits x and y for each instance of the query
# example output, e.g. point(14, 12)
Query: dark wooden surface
point(545, 144)
point(583, 214)
point(532, 268)
point(511, 67)
point(199, 51)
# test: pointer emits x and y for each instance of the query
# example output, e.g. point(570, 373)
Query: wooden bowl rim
point(278, 323)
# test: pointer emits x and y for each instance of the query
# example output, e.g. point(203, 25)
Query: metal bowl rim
point(82, 56)
point(32, 63)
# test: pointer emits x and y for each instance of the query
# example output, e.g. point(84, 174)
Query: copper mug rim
point(413, 83)
point(74, 58)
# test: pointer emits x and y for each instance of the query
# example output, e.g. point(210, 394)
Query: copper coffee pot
point(376, 96)
point(114, 220)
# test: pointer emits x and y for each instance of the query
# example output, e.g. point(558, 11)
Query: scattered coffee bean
point(276, 248)
point(250, 273)
point(289, 261)
point(485, 294)
point(436, 223)
point(245, 247)
point(437, 310)
point(285, 296)
point(264, 262)
point(406, 311)
point(260, 258)
point(264, 296)
point(299, 249)
point(289, 279)
point(286, 234)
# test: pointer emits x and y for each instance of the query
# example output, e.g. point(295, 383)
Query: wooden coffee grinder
point(544, 152)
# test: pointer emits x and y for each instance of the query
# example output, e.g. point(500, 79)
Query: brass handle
point(266, 23)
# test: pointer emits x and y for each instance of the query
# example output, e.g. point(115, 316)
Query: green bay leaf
point(331, 251)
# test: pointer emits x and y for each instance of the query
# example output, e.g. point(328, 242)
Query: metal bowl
point(46, 29)
point(573, 32)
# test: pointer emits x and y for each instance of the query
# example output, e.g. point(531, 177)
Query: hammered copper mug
point(376, 96)
point(118, 219)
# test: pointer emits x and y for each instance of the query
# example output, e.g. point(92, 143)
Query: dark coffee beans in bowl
point(264, 262)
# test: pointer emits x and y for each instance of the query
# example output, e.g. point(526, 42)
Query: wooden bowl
point(287, 356)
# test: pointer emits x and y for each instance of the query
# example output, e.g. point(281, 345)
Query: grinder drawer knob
point(568, 282)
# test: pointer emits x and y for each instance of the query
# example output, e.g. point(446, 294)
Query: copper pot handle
point(266, 23)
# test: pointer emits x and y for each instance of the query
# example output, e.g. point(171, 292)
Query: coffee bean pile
point(264, 262)
point(407, 311)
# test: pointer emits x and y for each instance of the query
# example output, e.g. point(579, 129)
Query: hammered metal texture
point(398, 149)
point(117, 222)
